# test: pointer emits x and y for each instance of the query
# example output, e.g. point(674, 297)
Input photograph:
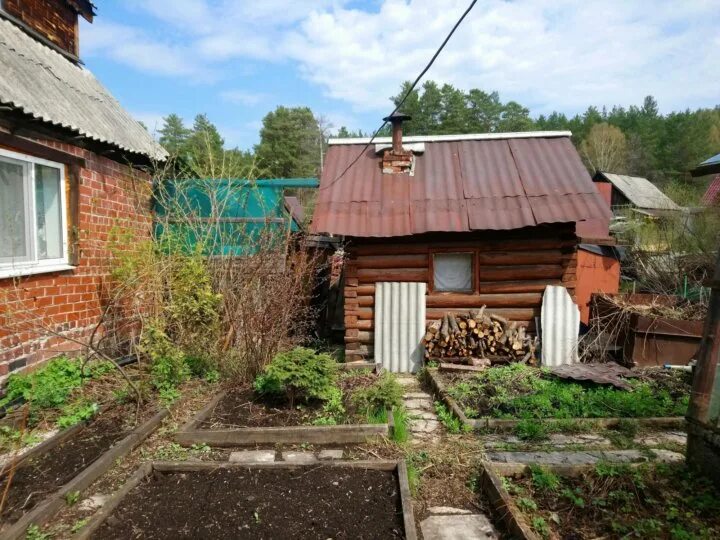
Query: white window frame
point(35, 266)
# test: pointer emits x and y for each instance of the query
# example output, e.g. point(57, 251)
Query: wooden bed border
point(501, 424)
point(191, 434)
point(46, 509)
point(189, 466)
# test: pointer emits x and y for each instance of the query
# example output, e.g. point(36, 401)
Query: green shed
point(228, 216)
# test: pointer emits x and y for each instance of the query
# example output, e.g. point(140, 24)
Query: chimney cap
point(396, 117)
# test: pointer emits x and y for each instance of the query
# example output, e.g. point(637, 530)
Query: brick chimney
point(396, 159)
point(54, 22)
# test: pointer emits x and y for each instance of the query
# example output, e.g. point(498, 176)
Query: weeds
point(544, 479)
point(35, 533)
point(72, 497)
point(531, 430)
point(521, 391)
point(79, 524)
point(452, 423)
point(77, 412)
point(383, 394)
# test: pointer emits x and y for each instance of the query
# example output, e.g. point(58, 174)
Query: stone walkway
point(424, 425)
point(443, 522)
point(586, 458)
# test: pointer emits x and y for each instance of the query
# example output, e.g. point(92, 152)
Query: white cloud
point(547, 54)
point(242, 97)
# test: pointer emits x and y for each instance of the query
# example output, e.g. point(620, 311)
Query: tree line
point(637, 140)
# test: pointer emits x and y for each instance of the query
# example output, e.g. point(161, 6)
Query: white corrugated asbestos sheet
point(399, 325)
point(48, 86)
point(560, 326)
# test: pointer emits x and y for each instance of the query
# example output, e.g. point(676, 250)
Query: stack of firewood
point(478, 335)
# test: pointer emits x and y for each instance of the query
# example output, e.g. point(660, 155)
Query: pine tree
point(173, 134)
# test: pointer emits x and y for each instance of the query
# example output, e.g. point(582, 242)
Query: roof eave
point(457, 137)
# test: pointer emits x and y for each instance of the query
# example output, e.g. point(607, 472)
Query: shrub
point(77, 412)
point(168, 367)
point(531, 430)
point(299, 374)
point(385, 393)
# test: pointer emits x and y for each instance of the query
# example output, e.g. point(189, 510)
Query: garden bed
point(240, 416)
point(272, 500)
point(67, 463)
point(503, 397)
point(602, 501)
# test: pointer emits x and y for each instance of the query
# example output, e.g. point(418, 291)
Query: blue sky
point(237, 60)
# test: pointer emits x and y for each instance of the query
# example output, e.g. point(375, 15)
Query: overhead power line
point(409, 91)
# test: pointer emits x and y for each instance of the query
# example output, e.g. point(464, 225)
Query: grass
point(520, 391)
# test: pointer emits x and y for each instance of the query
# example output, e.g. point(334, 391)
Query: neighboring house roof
point(41, 82)
point(640, 191)
point(295, 209)
point(712, 194)
point(459, 183)
point(709, 166)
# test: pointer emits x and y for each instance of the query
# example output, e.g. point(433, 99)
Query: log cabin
point(475, 219)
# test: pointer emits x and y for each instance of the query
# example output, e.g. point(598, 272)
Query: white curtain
point(13, 225)
point(452, 272)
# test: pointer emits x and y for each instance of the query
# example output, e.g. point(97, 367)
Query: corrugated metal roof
point(709, 166)
point(44, 84)
point(641, 192)
point(506, 181)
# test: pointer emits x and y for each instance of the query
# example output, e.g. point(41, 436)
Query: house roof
point(459, 183)
point(712, 194)
point(639, 191)
point(42, 83)
point(709, 166)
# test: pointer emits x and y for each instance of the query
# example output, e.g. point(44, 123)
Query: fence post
point(703, 452)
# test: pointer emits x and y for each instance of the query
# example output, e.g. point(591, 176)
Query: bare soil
point(40, 476)
point(316, 503)
point(242, 407)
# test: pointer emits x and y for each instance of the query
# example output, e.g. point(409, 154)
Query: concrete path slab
point(252, 456)
point(458, 527)
point(568, 458)
point(331, 454)
point(299, 457)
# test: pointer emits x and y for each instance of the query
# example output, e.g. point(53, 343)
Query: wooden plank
point(203, 413)
point(503, 506)
point(109, 507)
point(371, 275)
point(544, 256)
point(393, 261)
point(406, 502)
point(519, 314)
point(455, 301)
point(341, 434)
point(48, 508)
point(395, 248)
point(521, 272)
point(197, 466)
point(26, 146)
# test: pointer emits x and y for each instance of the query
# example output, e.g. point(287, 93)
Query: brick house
point(72, 169)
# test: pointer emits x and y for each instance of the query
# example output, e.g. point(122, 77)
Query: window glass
point(14, 227)
point(48, 212)
point(453, 272)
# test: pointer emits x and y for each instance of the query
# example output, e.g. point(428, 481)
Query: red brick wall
point(54, 19)
point(111, 196)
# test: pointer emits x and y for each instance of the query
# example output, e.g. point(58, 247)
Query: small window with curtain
point(453, 272)
point(33, 220)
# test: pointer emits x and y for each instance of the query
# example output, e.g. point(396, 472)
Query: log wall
point(512, 269)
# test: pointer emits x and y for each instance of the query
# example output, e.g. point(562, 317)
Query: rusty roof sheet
point(458, 185)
